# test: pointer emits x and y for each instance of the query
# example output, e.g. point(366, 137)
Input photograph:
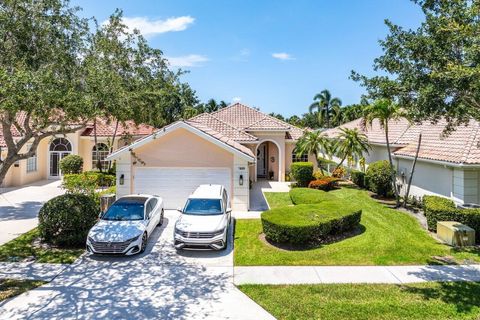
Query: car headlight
point(133, 239)
point(91, 239)
point(178, 231)
point(219, 232)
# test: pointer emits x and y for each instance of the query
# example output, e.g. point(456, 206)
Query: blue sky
point(270, 54)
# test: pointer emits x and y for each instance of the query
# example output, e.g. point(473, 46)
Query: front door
point(262, 161)
point(55, 157)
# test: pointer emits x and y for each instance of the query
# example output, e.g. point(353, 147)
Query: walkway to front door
point(257, 199)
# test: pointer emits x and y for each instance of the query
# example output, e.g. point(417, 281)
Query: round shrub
point(339, 172)
point(65, 220)
point(309, 223)
point(71, 164)
point(310, 196)
point(358, 177)
point(379, 178)
point(325, 183)
point(302, 173)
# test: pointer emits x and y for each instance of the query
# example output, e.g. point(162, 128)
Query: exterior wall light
point(122, 179)
point(240, 180)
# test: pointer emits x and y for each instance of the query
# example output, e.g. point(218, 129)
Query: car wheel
point(160, 222)
point(144, 243)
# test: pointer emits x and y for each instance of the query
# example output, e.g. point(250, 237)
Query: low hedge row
point(442, 209)
point(310, 196)
point(309, 223)
point(358, 177)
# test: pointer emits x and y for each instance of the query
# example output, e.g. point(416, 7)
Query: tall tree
point(384, 110)
point(316, 143)
point(351, 143)
point(40, 74)
point(434, 70)
point(323, 104)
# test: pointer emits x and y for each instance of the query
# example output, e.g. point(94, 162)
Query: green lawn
point(388, 237)
point(22, 247)
point(434, 300)
point(10, 287)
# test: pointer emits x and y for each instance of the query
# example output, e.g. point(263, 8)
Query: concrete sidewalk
point(354, 274)
point(31, 271)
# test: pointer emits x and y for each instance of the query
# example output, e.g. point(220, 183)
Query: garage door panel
point(174, 185)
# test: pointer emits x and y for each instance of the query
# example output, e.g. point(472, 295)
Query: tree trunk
point(394, 179)
point(98, 164)
point(413, 170)
point(318, 163)
point(341, 162)
point(113, 141)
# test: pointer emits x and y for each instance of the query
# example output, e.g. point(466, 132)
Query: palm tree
point(323, 104)
point(351, 143)
point(314, 142)
point(384, 110)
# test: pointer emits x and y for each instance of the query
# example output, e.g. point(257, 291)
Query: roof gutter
point(440, 162)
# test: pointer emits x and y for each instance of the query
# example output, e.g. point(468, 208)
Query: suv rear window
point(203, 207)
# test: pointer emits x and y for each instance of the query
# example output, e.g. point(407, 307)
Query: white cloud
point(148, 27)
point(236, 99)
point(282, 56)
point(191, 60)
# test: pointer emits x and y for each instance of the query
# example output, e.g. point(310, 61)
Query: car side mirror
point(100, 214)
point(229, 210)
point(179, 209)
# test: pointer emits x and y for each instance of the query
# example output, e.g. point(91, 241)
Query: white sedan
point(125, 227)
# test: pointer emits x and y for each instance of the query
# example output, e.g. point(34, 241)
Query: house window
point(99, 153)
point(31, 162)
point(302, 158)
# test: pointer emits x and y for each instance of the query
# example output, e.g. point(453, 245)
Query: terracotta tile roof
point(461, 146)
point(107, 128)
point(222, 127)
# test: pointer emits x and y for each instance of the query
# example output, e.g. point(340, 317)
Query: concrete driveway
point(19, 207)
point(159, 284)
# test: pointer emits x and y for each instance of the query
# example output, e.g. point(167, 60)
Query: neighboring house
point(45, 163)
point(229, 147)
point(448, 165)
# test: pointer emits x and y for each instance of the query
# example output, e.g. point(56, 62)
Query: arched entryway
point(59, 148)
point(268, 161)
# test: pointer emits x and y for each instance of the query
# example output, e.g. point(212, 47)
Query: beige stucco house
point(232, 146)
point(448, 165)
point(45, 163)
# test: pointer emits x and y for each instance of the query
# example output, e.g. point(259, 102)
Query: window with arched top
point(302, 158)
point(99, 153)
point(60, 144)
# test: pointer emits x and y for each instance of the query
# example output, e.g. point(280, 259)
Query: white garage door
point(174, 185)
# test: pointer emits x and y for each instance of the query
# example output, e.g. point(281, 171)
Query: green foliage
point(314, 142)
point(87, 182)
point(358, 177)
point(378, 178)
point(65, 220)
point(324, 183)
point(351, 143)
point(310, 196)
point(442, 209)
point(423, 69)
point(109, 190)
point(327, 107)
point(71, 164)
point(302, 173)
point(309, 223)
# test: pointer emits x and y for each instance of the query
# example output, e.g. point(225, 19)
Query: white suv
point(205, 219)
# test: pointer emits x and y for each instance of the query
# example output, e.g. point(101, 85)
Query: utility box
point(455, 233)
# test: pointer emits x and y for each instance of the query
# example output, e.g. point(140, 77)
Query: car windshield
point(126, 209)
point(203, 207)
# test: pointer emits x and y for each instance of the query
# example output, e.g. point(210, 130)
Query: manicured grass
point(11, 287)
point(386, 237)
point(310, 196)
point(22, 247)
point(278, 199)
point(452, 300)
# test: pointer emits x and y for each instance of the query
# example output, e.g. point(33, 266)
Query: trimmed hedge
point(309, 223)
point(324, 183)
point(378, 178)
point(310, 196)
point(443, 209)
point(302, 173)
point(358, 177)
point(71, 164)
point(65, 220)
point(87, 182)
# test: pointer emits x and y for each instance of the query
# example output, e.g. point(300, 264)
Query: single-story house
point(231, 146)
point(45, 163)
point(448, 164)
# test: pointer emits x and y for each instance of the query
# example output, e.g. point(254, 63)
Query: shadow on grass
point(463, 295)
point(305, 247)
